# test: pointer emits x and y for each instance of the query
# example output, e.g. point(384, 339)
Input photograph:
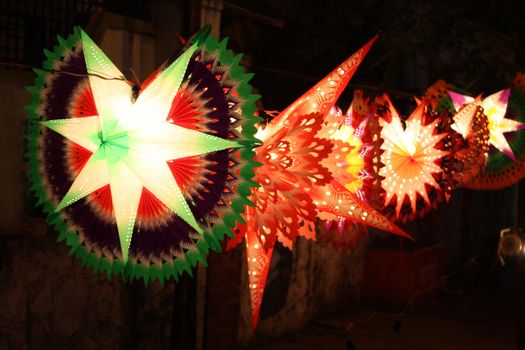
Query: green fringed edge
point(211, 238)
point(498, 161)
point(244, 89)
point(445, 103)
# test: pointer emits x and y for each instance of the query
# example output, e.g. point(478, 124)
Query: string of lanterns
point(142, 181)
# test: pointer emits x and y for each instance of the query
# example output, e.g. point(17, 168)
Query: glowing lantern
point(291, 174)
point(466, 137)
point(505, 114)
point(495, 108)
point(469, 154)
point(410, 159)
point(343, 201)
point(132, 181)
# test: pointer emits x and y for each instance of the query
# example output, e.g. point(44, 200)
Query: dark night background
point(316, 296)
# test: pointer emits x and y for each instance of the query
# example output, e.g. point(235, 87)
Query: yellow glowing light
point(350, 158)
point(463, 119)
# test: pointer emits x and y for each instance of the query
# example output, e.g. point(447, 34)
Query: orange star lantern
point(411, 162)
point(293, 178)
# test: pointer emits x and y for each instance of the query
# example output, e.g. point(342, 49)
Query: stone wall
point(49, 301)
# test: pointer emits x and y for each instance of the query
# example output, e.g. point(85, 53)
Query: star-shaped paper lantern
point(142, 184)
point(354, 135)
point(466, 138)
point(291, 165)
point(495, 108)
point(321, 99)
point(291, 159)
point(292, 176)
point(410, 159)
point(505, 114)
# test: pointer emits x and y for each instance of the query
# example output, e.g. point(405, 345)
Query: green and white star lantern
point(142, 185)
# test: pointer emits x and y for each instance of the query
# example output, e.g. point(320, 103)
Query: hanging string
point(272, 113)
point(88, 74)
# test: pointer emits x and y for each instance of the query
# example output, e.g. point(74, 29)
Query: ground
point(477, 317)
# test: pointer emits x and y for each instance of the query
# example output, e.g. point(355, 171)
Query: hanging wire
point(92, 74)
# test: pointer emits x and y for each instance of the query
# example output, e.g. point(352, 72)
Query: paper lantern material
point(323, 95)
point(469, 151)
point(341, 203)
point(505, 112)
point(291, 156)
point(410, 159)
point(348, 157)
point(143, 184)
point(258, 267)
point(495, 108)
point(293, 173)
point(291, 166)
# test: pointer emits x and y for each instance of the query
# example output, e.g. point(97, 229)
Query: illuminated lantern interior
point(410, 158)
